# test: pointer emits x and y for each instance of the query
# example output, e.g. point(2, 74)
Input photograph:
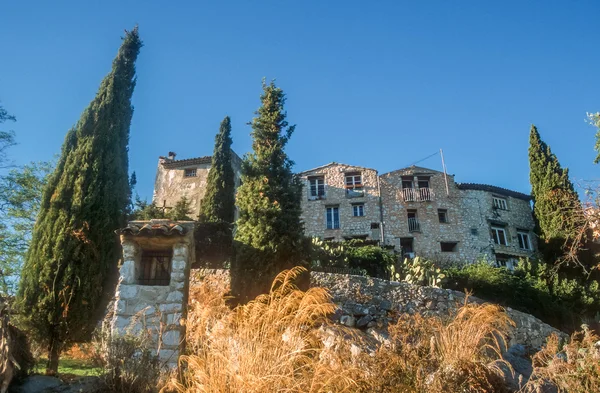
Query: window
point(358, 210)
point(448, 246)
point(413, 221)
point(443, 215)
point(474, 231)
point(506, 262)
point(354, 186)
point(317, 187)
point(374, 225)
point(407, 182)
point(155, 268)
point(524, 242)
point(499, 236)
point(423, 182)
point(333, 217)
point(190, 172)
point(500, 203)
point(406, 244)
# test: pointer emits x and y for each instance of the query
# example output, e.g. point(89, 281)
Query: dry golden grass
point(572, 368)
point(268, 345)
point(430, 354)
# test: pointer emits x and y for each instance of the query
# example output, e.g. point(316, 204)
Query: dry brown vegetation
point(573, 367)
point(276, 344)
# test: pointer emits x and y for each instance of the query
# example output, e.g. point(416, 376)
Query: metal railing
point(417, 194)
point(413, 224)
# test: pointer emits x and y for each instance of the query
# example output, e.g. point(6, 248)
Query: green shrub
point(214, 244)
point(352, 254)
point(418, 271)
point(559, 302)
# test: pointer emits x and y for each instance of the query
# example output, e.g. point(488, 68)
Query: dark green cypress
point(218, 204)
point(556, 205)
point(74, 244)
point(269, 234)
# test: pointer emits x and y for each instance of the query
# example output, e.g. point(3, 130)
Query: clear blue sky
point(377, 84)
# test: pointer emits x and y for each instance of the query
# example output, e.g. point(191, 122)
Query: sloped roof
point(335, 163)
point(171, 164)
point(416, 169)
point(154, 228)
point(494, 189)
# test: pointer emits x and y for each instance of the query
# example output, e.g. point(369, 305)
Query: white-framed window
point(358, 210)
point(332, 215)
point(499, 236)
point(190, 172)
point(316, 187)
point(353, 180)
point(500, 203)
point(524, 242)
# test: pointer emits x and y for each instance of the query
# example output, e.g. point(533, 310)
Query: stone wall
point(427, 239)
point(171, 184)
point(370, 303)
point(155, 309)
point(313, 210)
point(480, 215)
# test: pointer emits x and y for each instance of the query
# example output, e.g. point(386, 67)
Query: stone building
point(417, 210)
point(152, 293)
point(427, 213)
point(340, 202)
point(178, 178)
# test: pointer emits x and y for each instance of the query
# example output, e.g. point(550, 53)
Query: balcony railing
point(413, 224)
point(355, 192)
point(417, 195)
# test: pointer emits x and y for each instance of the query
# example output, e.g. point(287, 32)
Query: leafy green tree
point(594, 119)
point(269, 233)
point(20, 198)
point(7, 138)
point(218, 204)
point(74, 246)
point(181, 211)
point(557, 208)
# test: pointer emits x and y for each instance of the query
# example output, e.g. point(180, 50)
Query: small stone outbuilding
point(152, 293)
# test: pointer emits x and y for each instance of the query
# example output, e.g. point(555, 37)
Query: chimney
point(172, 155)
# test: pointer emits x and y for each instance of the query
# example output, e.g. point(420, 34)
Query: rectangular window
point(333, 217)
point(317, 187)
point(358, 210)
point(499, 236)
point(413, 221)
point(190, 172)
point(524, 242)
point(443, 215)
point(353, 180)
point(155, 267)
point(423, 182)
point(407, 182)
point(500, 203)
point(448, 246)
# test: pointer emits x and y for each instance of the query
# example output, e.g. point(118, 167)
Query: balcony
point(413, 224)
point(417, 194)
point(355, 192)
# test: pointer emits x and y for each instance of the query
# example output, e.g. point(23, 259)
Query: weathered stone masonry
point(152, 293)
point(418, 211)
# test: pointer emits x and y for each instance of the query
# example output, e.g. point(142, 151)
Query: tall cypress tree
point(556, 205)
point(86, 199)
point(218, 204)
point(269, 234)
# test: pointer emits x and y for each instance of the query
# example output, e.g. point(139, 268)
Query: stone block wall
point(157, 310)
point(371, 303)
point(313, 210)
point(427, 240)
point(171, 183)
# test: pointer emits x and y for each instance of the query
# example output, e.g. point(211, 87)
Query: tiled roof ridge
point(491, 188)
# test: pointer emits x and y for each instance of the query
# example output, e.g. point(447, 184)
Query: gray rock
point(37, 384)
point(348, 320)
point(363, 321)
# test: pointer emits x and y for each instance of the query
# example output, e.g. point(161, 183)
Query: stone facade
point(370, 304)
point(340, 202)
point(153, 289)
point(427, 213)
point(416, 210)
point(178, 178)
